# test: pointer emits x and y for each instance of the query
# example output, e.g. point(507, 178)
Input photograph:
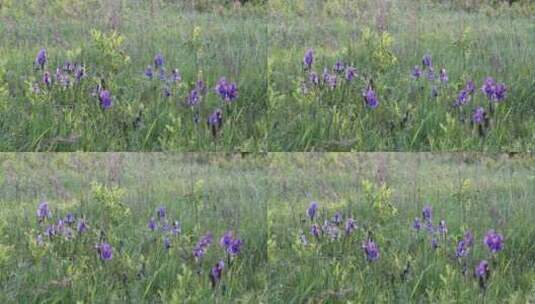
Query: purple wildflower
point(216, 273)
point(177, 229)
point(314, 78)
point(105, 99)
point(193, 98)
point(202, 246)
point(69, 218)
point(215, 121)
point(41, 58)
point(152, 224)
point(161, 212)
point(235, 247)
point(351, 73)
point(43, 211)
point(494, 241)
point(315, 230)
point(82, 226)
point(158, 61)
point(479, 115)
point(311, 211)
point(148, 72)
point(226, 239)
point(50, 231)
point(105, 251)
point(431, 74)
point(371, 250)
point(462, 249)
point(339, 66)
point(482, 270)
point(370, 98)
point(469, 238)
point(350, 226)
point(47, 80)
point(337, 218)
point(227, 91)
point(329, 79)
point(416, 224)
point(309, 58)
point(416, 72)
point(442, 228)
point(426, 61)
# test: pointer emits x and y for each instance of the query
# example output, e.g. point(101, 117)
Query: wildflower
point(69, 218)
point(215, 121)
point(309, 58)
point(350, 226)
point(337, 218)
point(339, 67)
point(469, 238)
point(80, 73)
point(314, 78)
point(431, 74)
point(161, 212)
point(315, 230)
point(226, 239)
point(148, 72)
point(470, 87)
point(371, 250)
point(202, 246)
point(165, 226)
point(82, 226)
point(416, 224)
point(43, 211)
point(177, 229)
point(482, 270)
point(427, 213)
point(370, 98)
point(494, 241)
point(227, 91)
point(50, 231)
point(462, 249)
point(47, 80)
point(351, 73)
point(426, 61)
point(41, 58)
point(479, 115)
point(331, 230)
point(105, 99)
point(499, 92)
point(311, 211)
point(105, 251)
point(193, 98)
point(162, 74)
point(158, 61)
point(443, 76)
point(494, 91)
point(235, 247)
point(152, 224)
point(416, 72)
point(216, 273)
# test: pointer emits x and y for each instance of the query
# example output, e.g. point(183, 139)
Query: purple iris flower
point(50, 231)
point(443, 76)
point(69, 218)
point(427, 213)
point(311, 211)
point(177, 229)
point(426, 61)
point(350, 226)
point(152, 224)
point(314, 78)
point(226, 239)
point(499, 92)
point(315, 230)
point(227, 91)
point(105, 251)
point(309, 58)
point(351, 73)
point(47, 80)
point(161, 212)
point(193, 98)
point(41, 58)
point(162, 74)
point(82, 226)
point(216, 273)
point(462, 249)
point(158, 61)
point(202, 245)
point(337, 218)
point(494, 91)
point(80, 73)
point(215, 121)
point(482, 270)
point(479, 115)
point(469, 238)
point(148, 72)
point(371, 250)
point(416, 72)
point(339, 67)
point(235, 247)
point(470, 87)
point(442, 228)
point(494, 241)
point(43, 211)
point(416, 224)
point(370, 98)
point(105, 99)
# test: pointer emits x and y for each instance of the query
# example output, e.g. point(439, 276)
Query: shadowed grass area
point(116, 41)
point(384, 41)
point(383, 193)
point(117, 195)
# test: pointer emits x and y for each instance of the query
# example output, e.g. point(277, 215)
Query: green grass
point(204, 192)
point(207, 45)
point(468, 44)
point(469, 192)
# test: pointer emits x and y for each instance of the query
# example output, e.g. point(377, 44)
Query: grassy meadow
point(314, 107)
point(383, 194)
point(116, 195)
point(100, 45)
